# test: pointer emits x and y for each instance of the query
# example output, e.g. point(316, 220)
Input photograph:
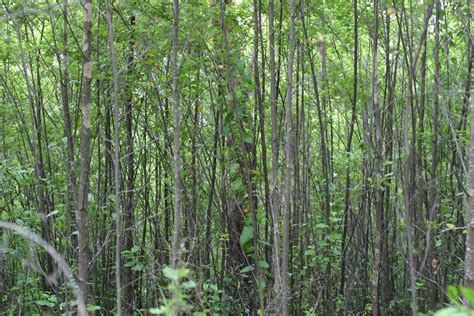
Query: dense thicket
point(277, 157)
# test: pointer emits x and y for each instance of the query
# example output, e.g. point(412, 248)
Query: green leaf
point(182, 272)
point(45, 303)
point(468, 294)
point(158, 310)
point(228, 97)
point(129, 264)
point(335, 236)
point(246, 236)
point(322, 243)
point(237, 111)
point(233, 167)
point(451, 311)
point(263, 264)
point(170, 273)
point(138, 267)
point(246, 269)
point(453, 293)
point(248, 138)
point(189, 284)
point(239, 95)
point(92, 308)
point(236, 185)
point(52, 213)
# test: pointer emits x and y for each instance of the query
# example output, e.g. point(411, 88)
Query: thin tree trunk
point(176, 138)
point(378, 166)
point(275, 205)
point(215, 145)
point(82, 211)
point(116, 161)
point(432, 203)
point(128, 215)
point(71, 171)
point(469, 268)
point(347, 202)
point(261, 113)
point(193, 238)
point(408, 178)
point(321, 122)
point(288, 150)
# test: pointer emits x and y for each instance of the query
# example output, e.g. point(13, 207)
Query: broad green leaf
point(321, 226)
point(451, 311)
point(46, 303)
point(468, 294)
point(263, 264)
point(189, 284)
point(246, 236)
point(170, 273)
point(158, 310)
point(92, 308)
point(138, 267)
point(246, 269)
point(183, 272)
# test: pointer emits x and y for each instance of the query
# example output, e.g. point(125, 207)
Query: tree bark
point(128, 213)
point(288, 162)
point(275, 205)
point(433, 198)
point(469, 269)
point(116, 162)
point(82, 211)
point(347, 202)
point(70, 167)
point(176, 137)
point(378, 166)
